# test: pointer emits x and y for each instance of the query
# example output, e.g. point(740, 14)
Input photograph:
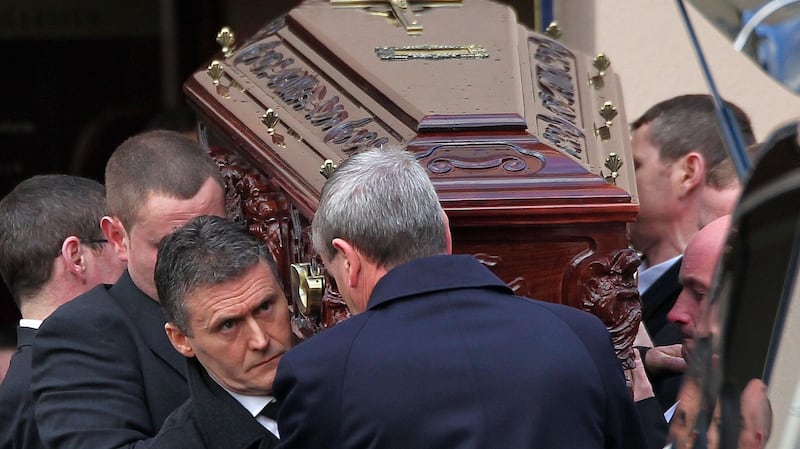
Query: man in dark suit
point(51, 250)
point(666, 364)
point(104, 372)
point(694, 314)
point(679, 158)
point(228, 315)
point(439, 352)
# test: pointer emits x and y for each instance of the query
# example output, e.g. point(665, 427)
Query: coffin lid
point(511, 135)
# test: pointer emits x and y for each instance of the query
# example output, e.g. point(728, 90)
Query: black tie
point(270, 410)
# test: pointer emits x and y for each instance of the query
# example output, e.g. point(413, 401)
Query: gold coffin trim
point(431, 52)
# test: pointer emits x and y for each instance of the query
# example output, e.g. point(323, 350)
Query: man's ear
point(72, 254)
point(691, 172)
point(759, 437)
point(351, 261)
point(179, 340)
point(116, 235)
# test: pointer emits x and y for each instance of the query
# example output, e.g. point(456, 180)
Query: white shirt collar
point(649, 275)
point(33, 324)
point(254, 405)
point(671, 411)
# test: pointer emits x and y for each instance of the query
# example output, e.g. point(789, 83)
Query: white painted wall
point(650, 50)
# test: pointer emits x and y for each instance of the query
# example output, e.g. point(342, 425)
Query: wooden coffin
point(525, 140)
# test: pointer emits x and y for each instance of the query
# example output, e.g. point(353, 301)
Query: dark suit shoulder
point(17, 424)
point(94, 381)
point(95, 305)
point(654, 426)
point(582, 323)
point(591, 332)
point(179, 431)
point(92, 318)
point(336, 340)
point(18, 375)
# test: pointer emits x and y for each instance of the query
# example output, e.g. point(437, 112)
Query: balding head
point(756, 416)
point(697, 271)
point(706, 246)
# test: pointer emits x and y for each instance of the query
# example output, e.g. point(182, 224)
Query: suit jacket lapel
point(149, 319)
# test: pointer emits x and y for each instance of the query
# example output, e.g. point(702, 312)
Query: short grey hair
point(382, 202)
point(206, 251)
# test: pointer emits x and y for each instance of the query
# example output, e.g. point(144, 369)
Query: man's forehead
point(703, 253)
point(692, 282)
point(639, 140)
point(697, 272)
point(255, 282)
point(644, 150)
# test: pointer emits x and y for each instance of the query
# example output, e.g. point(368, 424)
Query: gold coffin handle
point(307, 289)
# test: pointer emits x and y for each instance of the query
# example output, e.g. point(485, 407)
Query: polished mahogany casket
point(524, 139)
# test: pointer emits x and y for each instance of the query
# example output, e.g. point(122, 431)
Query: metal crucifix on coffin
point(403, 11)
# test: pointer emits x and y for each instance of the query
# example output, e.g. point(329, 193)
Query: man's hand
point(640, 384)
point(665, 360)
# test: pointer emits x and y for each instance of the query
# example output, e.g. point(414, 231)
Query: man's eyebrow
point(219, 317)
point(689, 281)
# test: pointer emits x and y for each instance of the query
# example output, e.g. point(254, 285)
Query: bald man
point(756, 416)
point(691, 310)
point(690, 314)
point(697, 271)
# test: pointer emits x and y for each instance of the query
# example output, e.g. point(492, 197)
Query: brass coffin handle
point(307, 288)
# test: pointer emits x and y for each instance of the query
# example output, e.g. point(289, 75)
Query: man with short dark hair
point(677, 149)
point(51, 250)
point(104, 372)
point(226, 312)
point(439, 352)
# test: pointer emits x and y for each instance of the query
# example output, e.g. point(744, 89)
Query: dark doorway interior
point(83, 75)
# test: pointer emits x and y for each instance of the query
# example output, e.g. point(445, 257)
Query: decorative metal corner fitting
point(613, 163)
point(608, 112)
point(215, 71)
point(270, 120)
point(601, 63)
point(553, 30)
point(227, 40)
point(327, 168)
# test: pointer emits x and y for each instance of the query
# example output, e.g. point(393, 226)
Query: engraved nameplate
point(431, 52)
